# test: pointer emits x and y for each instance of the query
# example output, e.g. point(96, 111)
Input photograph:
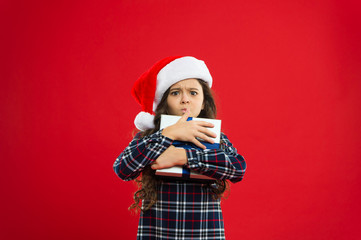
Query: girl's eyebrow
point(194, 88)
point(175, 89)
point(178, 88)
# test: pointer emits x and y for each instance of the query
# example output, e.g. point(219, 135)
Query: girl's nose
point(185, 98)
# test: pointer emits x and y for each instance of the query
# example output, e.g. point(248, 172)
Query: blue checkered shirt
point(184, 209)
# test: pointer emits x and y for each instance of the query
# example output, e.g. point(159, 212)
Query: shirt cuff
point(192, 156)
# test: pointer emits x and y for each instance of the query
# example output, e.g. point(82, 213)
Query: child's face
point(183, 95)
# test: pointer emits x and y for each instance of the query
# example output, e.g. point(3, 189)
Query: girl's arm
point(140, 153)
point(223, 163)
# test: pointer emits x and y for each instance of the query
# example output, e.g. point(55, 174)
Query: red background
point(287, 78)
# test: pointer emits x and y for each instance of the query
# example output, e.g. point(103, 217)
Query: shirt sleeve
point(139, 153)
point(222, 163)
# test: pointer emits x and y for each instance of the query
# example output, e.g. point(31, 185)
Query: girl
point(177, 208)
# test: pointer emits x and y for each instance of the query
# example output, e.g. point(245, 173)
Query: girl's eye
point(174, 93)
point(194, 93)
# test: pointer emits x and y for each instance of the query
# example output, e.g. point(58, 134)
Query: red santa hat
point(148, 90)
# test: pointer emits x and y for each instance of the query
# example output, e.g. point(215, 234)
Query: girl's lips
point(184, 110)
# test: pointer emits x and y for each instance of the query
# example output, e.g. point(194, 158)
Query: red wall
point(287, 77)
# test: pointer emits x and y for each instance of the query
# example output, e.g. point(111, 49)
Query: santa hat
point(148, 90)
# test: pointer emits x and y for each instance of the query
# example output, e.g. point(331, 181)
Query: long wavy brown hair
point(148, 182)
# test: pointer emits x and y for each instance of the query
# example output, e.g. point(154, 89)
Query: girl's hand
point(189, 131)
point(169, 158)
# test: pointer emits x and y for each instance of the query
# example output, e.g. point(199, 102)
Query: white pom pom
point(144, 121)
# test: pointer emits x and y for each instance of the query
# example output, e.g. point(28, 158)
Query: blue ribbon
point(189, 145)
point(186, 174)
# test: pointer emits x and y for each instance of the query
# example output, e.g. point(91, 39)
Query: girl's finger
point(204, 124)
point(154, 166)
point(198, 143)
point(208, 139)
point(184, 116)
point(205, 138)
point(207, 132)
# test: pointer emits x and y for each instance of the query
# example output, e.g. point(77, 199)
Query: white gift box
point(184, 172)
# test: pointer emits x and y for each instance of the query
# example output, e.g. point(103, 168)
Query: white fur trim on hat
point(144, 121)
point(177, 70)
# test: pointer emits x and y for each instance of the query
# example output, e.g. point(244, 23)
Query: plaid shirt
point(185, 209)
